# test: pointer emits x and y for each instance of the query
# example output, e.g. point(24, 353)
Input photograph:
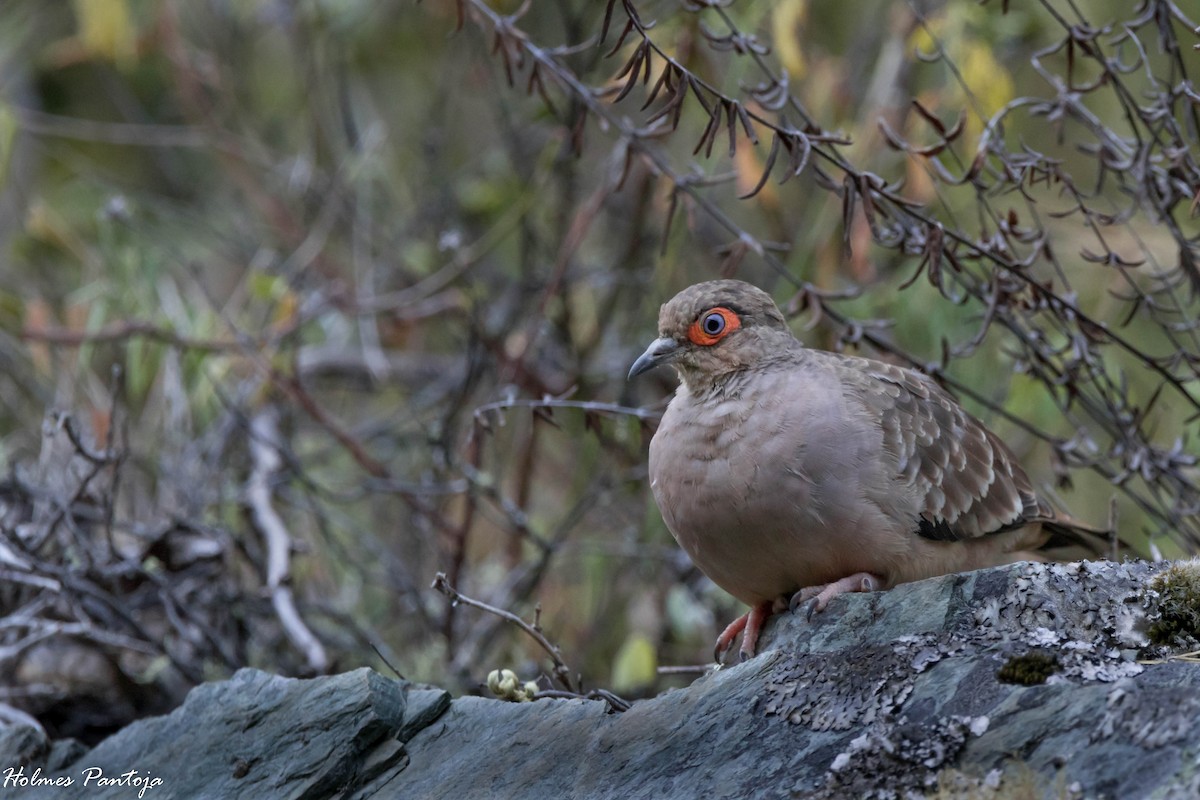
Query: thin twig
point(561, 672)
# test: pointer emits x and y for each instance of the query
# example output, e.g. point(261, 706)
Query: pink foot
point(749, 625)
point(818, 597)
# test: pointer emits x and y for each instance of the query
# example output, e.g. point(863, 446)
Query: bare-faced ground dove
point(792, 475)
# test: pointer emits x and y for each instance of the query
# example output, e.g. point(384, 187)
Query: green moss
point(1178, 606)
point(1029, 669)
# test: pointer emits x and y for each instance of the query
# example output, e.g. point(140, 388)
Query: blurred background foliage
point(304, 302)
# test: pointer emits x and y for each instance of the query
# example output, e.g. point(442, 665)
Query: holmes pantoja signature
point(15, 777)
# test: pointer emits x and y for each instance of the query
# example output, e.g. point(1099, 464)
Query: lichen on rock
point(913, 757)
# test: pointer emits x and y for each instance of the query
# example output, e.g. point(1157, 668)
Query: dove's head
point(712, 329)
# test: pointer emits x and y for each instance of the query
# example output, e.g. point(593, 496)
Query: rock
point(255, 735)
point(886, 695)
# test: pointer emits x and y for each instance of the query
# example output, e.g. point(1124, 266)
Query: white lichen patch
point(1149, 719)
point(1088, 614)
point(912, 755)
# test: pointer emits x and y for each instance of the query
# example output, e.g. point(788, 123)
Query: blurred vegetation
point(304, 303)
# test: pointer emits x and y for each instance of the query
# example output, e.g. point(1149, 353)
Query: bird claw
point(801, 596)
point(749, 625)
point(816, 598)
point(727, 637)
point(810, 598)
point(812, 607)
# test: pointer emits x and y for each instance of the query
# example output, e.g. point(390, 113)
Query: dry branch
point(264, 455)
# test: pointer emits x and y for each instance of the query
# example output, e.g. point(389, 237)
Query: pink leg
point(818, 597)
point(750, 626)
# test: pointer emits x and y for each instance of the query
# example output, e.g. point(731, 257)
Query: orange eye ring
point(713, 325)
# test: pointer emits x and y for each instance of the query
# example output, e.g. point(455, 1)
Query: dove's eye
point(713, 325)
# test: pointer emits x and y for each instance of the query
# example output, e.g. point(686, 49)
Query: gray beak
point(660, 351)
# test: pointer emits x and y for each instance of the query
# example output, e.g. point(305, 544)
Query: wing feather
point(967, 482)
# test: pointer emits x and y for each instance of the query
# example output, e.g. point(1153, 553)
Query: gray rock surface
point(255, 736)
point(890, 694)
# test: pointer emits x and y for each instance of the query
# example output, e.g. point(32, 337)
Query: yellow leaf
point(106, 30)
point(283, 317)
point(786, 22)
point(988, 81)
point(922, 38)
point(8, 133)
point(635, 665)
point(986, 77)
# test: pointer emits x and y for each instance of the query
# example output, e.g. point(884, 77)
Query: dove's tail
point(1071, 540)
